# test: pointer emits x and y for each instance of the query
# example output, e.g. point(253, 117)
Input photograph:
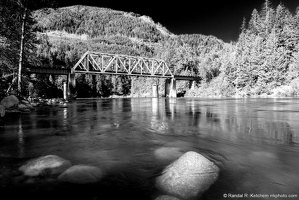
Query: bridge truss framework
point(104, 63)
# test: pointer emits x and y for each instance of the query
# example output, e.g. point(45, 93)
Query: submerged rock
point(81, 174)
point(45, 165)
point(167, 153)
point(188, 177)
point(23, 108)
point(27, 104)
point(2, 111)
point(166, 197)
point(10, 101)
point(34, 104)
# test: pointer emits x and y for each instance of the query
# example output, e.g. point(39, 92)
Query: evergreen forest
point(263, 62)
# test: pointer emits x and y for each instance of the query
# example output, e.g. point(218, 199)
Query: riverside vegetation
point(264, 61)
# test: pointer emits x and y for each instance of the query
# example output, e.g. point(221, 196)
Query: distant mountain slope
point(102, 27)
point(95, 22)
point(201, 41)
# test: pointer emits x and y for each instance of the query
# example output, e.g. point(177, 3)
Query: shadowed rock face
point(81, 174)
point(10, 101)
point(188, 177)
point(49, 165)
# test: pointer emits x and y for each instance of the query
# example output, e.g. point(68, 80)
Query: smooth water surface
point(255, 143)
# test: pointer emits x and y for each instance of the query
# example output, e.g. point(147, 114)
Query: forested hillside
point(263, 61)
point(96, 22)
point(67, 33)
point(265, 58)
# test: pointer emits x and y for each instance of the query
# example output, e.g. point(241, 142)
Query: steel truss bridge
point(104, 63)
point(94, 63)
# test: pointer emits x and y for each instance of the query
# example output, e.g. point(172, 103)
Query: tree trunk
point(21, 52)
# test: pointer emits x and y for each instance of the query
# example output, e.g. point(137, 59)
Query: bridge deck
point(57, 71)
point(46, 70)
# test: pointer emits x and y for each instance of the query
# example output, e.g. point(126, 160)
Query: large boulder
point(46, 165)
point(2, 111)
point(81, 174)
point(10, 102)
point(188, 176)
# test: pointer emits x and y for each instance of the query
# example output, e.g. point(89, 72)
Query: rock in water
point(166, 197)
point(2, 111)
point(167, 153)
point(45, 165)
point(81, 174)
point(188, 176)
point(23, 108)
point(10, 101)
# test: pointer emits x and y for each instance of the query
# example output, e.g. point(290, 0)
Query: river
point(255, 143)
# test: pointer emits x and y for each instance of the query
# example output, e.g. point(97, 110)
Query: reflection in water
point(254, 141)
point(126, 105)
point(20, 140)
point(155, 106)
point(64, 121)
point(157, 119)
point(170, 107)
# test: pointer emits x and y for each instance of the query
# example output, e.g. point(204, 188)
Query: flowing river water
point(254, 142)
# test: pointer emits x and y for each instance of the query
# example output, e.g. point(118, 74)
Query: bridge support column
point(66, 87)
point(94, 85)
point(155, 90)
point(72, 79)
point(192, 85)
point(71, 84)
point(65, 90)
point(170, 88)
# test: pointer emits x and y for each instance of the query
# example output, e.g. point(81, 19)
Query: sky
point(221, 18)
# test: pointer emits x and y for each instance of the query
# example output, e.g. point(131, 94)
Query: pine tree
point(243, 26)
point(294, 65)
point(267, 17)
point(255, 24)
point(287, 41)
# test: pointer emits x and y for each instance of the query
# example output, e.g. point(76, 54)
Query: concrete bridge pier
point(155, 90)
point(71, 84)
point(65, 90)
point(192, 85)
point(70, 79)
point(170, 88)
